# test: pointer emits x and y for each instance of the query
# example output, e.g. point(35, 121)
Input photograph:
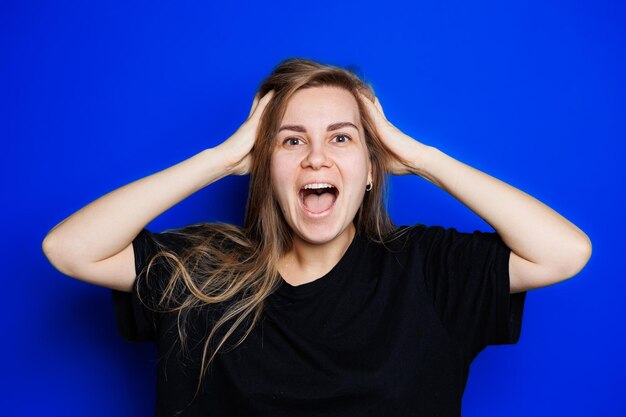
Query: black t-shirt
point(390, 330)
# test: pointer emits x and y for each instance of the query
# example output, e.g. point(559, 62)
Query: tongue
point(319, 203)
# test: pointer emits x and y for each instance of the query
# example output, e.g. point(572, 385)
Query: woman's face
point(320, 163)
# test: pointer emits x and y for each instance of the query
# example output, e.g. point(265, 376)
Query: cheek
point(358, 167)
point(282, 178)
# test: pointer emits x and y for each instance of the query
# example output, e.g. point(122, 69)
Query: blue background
point(96, 95)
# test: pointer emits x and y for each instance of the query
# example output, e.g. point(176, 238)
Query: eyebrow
point(331, 127)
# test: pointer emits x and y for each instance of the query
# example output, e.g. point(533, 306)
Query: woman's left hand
point(400, 144)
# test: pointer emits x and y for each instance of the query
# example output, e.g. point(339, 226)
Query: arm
point(545, 247)
point(95, 243)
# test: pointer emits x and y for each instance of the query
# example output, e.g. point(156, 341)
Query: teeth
point(316, 186)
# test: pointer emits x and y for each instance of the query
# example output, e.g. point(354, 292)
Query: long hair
point(234, 269)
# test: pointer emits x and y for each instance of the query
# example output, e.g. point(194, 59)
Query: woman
point(319, 305)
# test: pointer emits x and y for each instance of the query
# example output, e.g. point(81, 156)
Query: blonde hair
point(223, 262)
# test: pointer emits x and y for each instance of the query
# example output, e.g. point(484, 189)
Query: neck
point(306, 262)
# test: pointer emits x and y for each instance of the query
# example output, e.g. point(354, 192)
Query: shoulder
point(430, 239)
point(433, 234)
point(195, 251)
point(401, 240)
point(200, 244)
point(408, 235)
point(218, 236)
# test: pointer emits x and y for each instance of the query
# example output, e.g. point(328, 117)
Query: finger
point(365, 98)
point(366, 93)
point(373, 107)
point(255, 102)
point(369, 106)
point(378, 106)
point(262, 103)
point(268, 95)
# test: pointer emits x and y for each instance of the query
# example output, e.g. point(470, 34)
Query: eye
point(291, 141)
point(345, 139)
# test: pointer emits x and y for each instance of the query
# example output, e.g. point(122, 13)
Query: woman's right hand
point(236, 149)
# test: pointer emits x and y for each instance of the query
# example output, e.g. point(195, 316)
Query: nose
point(317, 156)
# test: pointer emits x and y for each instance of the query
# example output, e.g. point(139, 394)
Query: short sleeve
point(135, 316)
point(467, 276)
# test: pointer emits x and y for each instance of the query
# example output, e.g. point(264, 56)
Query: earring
point(369, 186)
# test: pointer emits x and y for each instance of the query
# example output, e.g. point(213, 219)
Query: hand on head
point(395, 140)
point(237, 147)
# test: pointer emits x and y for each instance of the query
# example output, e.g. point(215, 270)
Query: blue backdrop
point(95, 95)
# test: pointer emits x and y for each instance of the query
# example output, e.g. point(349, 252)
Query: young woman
point(319, 305)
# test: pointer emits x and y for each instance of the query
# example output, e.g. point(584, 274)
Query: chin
point(319, 234)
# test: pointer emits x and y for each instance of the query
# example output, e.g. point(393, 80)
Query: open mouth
point(318, 198)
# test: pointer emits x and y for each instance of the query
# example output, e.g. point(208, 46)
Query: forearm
point(528, 227)
point(107, 225)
